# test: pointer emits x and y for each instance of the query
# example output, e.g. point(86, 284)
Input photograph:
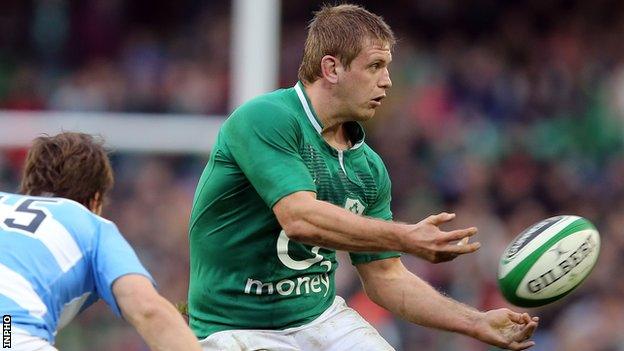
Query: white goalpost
point(139, 132)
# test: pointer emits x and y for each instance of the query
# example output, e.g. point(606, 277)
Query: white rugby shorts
point(339, 328)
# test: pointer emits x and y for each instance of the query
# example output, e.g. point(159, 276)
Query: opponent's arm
point(315, 222)
point(158, 322)
point(389, 284)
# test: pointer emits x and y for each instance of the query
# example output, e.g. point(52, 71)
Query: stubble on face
point(364, 83)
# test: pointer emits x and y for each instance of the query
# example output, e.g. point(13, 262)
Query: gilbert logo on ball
point(548, 260)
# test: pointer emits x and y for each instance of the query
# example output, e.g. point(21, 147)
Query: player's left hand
point(426, 240)
point(506, 329)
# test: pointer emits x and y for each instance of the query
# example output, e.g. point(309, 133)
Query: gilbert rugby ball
point(548, 260)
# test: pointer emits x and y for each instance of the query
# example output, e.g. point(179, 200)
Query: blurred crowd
point(505, 113)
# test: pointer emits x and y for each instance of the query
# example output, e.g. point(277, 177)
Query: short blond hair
point(340, 31)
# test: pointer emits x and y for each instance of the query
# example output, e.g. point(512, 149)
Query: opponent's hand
point(428, 242)
point(506, 329)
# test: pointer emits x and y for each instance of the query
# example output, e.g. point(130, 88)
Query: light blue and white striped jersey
point(56, 259)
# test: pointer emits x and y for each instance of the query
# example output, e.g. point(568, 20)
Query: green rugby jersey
point(245, 273)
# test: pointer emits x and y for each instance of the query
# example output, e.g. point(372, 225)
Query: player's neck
point(324, 105)
point(337, 137)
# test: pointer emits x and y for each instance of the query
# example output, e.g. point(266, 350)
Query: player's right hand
point(506, 329)
point(426, 240)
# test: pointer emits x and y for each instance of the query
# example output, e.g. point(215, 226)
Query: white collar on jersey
point(308, 110)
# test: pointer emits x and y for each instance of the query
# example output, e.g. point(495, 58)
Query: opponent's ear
point(330, 66)
point(95, 204)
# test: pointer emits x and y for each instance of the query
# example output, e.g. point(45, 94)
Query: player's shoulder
point(274, 107)
point(76, 215)
point(85, 226)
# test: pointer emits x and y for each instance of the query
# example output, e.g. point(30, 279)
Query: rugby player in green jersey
point(289, 181)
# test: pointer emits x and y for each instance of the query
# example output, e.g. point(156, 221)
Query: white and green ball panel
point(552, 264)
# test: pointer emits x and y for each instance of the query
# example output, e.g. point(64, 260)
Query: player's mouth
point(377, 101)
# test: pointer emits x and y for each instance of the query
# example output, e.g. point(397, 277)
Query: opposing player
point(291, 180)
point(58, 256)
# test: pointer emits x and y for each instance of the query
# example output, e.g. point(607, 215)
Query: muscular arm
point(308, 220)
point(389, 284)
point(157, 320)
point(315, 222)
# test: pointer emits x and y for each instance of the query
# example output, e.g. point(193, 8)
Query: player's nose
point(385, 81)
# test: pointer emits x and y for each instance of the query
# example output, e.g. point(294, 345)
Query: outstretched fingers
point(463, 246)
point(517, 346)
point(460, 234)
point(519, 318)
point(527, 325)
point(527, 331)
point(463, 249)
point(440, 218)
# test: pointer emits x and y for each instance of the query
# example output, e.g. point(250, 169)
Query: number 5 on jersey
point(24, 217)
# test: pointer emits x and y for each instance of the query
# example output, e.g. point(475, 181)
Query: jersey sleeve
point(263, 139)
point(380, 210)
point(113, 258)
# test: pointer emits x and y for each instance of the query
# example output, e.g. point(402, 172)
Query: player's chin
point(367, 114)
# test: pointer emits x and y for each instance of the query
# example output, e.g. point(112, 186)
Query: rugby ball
point(548, 260)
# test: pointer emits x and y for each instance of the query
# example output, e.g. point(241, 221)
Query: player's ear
point(329, 68)
point(95, 204)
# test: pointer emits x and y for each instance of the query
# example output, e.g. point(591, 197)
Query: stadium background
point(504, 112)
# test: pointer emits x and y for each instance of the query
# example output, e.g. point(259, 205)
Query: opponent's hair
point(70, 165)
point(340, 31)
